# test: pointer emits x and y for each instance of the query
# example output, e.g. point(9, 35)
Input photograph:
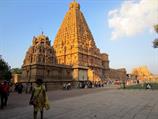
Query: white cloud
point(133, 18)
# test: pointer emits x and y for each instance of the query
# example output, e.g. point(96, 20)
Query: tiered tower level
point(75, 45)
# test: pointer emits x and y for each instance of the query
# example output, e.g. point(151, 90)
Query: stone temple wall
point(116, 74)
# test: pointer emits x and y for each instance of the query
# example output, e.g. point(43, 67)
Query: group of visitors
point(89, 84)
point(85, 84)
point(38, 99)
point(67, 86)
point(19, 88)
point(98, 84)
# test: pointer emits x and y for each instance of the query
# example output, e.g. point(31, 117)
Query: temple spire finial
point(74, 4)
point(75, 1)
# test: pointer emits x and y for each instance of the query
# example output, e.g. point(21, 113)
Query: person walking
point(39, 99)
point(20, 88)
point(4, 93)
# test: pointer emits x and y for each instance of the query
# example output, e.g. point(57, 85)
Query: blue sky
point(20, 20)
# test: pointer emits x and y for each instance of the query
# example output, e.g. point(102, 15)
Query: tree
point(5, 72)
point(142, 73)
point(156, 28)
point(155, 42)
point(16, 71)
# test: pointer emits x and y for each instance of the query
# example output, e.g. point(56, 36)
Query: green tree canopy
point(155, 42)
point(16, 70)
point(5, 72)
point(156, 28)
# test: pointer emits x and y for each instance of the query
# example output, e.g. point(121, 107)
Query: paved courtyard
point(102, 104)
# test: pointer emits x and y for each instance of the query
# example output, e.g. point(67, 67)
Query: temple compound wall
point(116, 74)
point(73, 56)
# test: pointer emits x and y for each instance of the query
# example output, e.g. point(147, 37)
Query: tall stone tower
point(74, 45)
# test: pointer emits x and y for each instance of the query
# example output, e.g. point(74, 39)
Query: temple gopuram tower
point(74, 45)
point(37, 57)
point(73, 57)
point(40, 52)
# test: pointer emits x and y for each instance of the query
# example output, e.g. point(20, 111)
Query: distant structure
point(16, 78)
point(73, 57)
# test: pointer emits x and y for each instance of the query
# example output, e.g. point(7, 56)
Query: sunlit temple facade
point(73, 56)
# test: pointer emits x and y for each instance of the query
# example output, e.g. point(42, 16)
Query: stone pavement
point(108, 104)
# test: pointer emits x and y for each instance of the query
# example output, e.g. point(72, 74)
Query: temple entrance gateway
point(82, 75)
